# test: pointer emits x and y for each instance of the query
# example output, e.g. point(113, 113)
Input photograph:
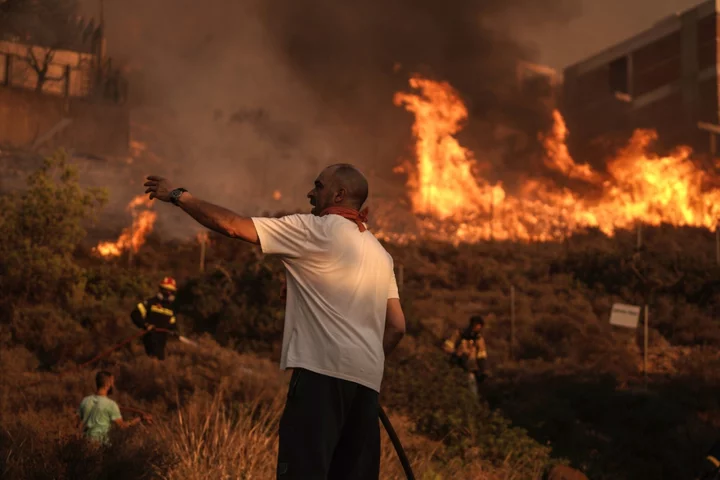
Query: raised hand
point(158, 187)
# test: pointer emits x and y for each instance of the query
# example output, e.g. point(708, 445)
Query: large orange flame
point(452, 200)
point(558, 157)
point(134, 236)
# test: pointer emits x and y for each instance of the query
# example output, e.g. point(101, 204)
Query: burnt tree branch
point(41, 70)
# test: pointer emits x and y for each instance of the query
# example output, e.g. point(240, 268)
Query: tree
point(39, 231)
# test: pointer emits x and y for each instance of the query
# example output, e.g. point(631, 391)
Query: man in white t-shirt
point(342, 318)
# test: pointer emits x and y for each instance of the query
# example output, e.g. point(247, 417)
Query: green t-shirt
point(98, 414)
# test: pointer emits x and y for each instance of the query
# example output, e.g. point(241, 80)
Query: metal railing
point(86, 79)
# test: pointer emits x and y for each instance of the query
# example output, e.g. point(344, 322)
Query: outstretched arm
point(212, 216)
point(122, 424)
point(219, 219)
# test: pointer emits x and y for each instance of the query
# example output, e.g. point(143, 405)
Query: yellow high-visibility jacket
point(154, 312)
point(466, 348)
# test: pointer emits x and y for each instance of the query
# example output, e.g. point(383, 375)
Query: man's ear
point(340, 195)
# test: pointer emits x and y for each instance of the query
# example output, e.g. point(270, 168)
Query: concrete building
point(665, 78)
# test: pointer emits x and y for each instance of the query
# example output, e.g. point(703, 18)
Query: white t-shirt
point(338, 283)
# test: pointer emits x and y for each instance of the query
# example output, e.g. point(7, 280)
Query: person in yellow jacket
point(157, 313)
point(467, 349)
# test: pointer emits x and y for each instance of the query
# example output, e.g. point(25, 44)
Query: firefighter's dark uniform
point(157, 313)
point(467, 349)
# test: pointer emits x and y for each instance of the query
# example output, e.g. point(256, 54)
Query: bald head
point(339, 185)
point(350, 179)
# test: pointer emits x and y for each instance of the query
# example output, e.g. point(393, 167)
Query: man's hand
point(214, 217)
point(158, 187)
point(149, 327)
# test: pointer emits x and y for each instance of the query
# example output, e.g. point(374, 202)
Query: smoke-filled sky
point(249, 96)
point(600, 24)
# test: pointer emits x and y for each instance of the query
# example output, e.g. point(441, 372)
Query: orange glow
point(453, 202)
point(277, 195)
point(132, 237)
point(137, 148)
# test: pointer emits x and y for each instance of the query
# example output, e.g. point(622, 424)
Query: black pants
point(329, 430)
point(155, 344)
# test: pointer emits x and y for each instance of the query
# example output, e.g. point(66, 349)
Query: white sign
point(625, 315)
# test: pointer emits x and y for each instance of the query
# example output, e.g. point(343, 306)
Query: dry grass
point(211, 439)
point(216, 440)
point(216, 412)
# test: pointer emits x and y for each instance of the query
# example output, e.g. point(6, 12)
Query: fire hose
point(125, 342)
point(117, 346)
point(381, 413)
point(396, 444)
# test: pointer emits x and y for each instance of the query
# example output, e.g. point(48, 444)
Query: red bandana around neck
point(350, 213)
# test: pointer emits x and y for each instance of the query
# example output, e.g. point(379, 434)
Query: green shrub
point(443, 408)
point(48, 332)
point(242, 306)
point(39, 231)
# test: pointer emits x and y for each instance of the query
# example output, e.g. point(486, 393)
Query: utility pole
point(203, 241)
point(639, 234)
point(645, 347)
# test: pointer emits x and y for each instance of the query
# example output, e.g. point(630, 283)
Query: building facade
point(665, 78)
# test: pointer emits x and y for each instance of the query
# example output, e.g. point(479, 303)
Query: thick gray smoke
point(243, 97)
point(349, 54)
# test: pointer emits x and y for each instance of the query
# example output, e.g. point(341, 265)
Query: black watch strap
point(175, 195)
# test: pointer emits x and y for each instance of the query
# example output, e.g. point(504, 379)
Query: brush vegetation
point(571, 394)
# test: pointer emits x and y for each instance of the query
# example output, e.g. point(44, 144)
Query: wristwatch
point(175, 195)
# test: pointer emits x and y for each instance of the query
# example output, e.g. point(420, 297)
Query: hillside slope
point(573, 383)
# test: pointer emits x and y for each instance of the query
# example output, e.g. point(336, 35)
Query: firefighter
point(157, 313)
point(467, 349)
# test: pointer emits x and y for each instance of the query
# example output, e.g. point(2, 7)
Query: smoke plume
point(239, 98)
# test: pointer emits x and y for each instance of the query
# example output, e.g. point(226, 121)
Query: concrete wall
point(95, 128)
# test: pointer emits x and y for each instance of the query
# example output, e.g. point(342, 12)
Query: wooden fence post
point(512, 322)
